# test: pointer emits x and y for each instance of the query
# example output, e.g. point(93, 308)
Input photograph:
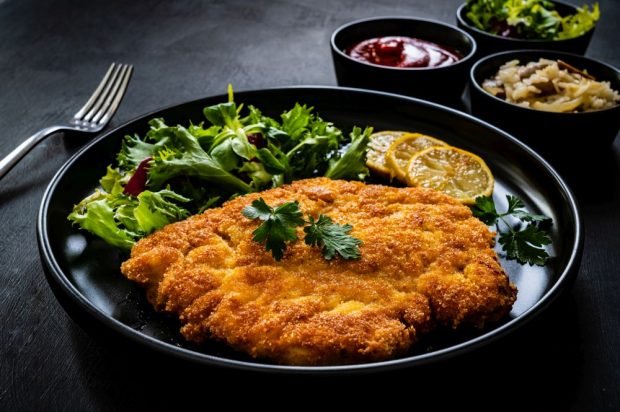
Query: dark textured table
point(51, 52)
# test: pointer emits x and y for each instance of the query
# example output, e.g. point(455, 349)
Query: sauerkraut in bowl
point(562, 105)
point(551, 85)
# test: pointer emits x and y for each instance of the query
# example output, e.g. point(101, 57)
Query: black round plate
point(84, 272)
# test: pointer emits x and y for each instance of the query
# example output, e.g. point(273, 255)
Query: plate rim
point(55, 272)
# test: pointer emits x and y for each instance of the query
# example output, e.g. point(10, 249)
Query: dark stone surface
point(51, 55)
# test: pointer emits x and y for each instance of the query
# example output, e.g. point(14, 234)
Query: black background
point(51, 56)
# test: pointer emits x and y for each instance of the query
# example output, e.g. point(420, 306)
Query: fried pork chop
point(426, 261)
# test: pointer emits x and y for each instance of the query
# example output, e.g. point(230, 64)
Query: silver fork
point(91, 118)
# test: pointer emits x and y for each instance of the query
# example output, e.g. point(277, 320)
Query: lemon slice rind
point(453, 171)
point(403, 148)
point(378, 146)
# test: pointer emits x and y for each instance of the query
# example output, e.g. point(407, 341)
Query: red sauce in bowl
point(401, 51)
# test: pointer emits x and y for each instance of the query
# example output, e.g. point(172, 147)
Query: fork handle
point(20, 151)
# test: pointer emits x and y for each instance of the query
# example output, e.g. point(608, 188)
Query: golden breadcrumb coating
point(426, 261)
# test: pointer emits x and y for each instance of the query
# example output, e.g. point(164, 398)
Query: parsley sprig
point(278, 225)
point(279, 228)
point(524, 243)
point(332, 238)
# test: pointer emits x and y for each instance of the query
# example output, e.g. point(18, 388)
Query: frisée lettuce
point(175, 171)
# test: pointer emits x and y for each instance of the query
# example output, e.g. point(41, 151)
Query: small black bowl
point(442, 84)
point(489, 43)
point(559, 137)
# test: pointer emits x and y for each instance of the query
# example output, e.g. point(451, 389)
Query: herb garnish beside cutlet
point(524, 244)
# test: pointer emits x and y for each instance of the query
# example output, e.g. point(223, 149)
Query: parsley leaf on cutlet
point(278, 225)
point(332, 238)
point(279, 228)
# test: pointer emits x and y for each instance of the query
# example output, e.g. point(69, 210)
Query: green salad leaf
point(580, 22)
point(352, 163)
point(530, 19)
point(184, 156)
point(175, 171)
point(120, 219)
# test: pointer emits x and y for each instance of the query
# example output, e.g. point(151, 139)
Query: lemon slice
point(400, 152)
point(453, 171)
point(378, 146)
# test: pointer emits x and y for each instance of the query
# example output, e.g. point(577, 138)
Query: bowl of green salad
point(501, 25)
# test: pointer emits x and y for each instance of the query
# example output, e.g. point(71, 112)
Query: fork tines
point(105, 99)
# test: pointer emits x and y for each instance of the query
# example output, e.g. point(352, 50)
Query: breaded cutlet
point(425, 261)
